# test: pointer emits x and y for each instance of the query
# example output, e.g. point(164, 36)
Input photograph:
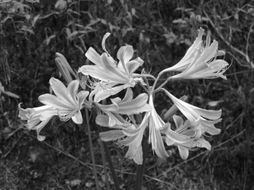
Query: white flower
point(184, 137)
point(117, 76)
point(37, 118)
point(67, 101)
point(126, 106)
point(203, 119)
point(156, 124)
point(200, 61)
point(126, 134)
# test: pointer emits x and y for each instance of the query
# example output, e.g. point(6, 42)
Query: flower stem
point(91, 150)
point(140, 168)
point(112, 170)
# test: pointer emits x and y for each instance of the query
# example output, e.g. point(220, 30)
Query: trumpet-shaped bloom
point(156, 124)
point(67, 100)
point(200, 61)
point(184, 137)
point(127, 105)
point(126, 134)
point(203, 119)
point(37, 118)
point(119, 75)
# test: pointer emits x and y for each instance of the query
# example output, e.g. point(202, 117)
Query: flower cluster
point(132, 116)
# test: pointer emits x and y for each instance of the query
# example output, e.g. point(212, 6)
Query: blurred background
point(32, 31)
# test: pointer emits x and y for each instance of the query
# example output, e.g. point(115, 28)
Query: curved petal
point(101, 74)
point(104, 41)
point(77, 118)
point(190, 54)
point(61, 91)
point(156, 140)
point(128, 95)
point(102, 120)
point(51, 100)
point(111, 135)
point(176, 137)
point(178, 121)
point(137, 105)
point(133, 65)
point(105, 93)
point(183, 151)
point(124, 55)
point(73, 89)
point(94, 57)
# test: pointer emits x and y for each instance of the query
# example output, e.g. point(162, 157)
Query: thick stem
point(91, 150)
point(140, 168)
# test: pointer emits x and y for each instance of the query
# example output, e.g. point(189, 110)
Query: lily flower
point(200, 61)
point(127, 105)
point(156, 124)
point(203, 119)
point(37, 118)
point(126, 134)
point(184, 137)
point(67, 100)
point(118, 74)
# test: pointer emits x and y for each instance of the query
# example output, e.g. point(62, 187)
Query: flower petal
point(124, 54)
point(104, 41)
point(137, 105)
point(156, 140)
point(102, 74)
point(73, 89)
point(178, 121)
point(61, 91)
point(183, 151)
point(105, 93)
point(128, 95)
point(77, 118)
point(51, 100)
point(133, 65)
point(102, 120)
point(94, 57)
point(111, 135)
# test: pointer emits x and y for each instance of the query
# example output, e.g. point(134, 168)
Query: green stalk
point(91, 150)
point(140, 168)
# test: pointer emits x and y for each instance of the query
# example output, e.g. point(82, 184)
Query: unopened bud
point(64, 68)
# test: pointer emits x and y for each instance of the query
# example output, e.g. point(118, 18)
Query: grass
point(160, 31)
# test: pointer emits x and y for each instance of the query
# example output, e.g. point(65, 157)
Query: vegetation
point(31, 33)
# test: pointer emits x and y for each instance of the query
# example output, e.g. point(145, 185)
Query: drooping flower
point(184, 137)
point(200, 61)
point(67, 100)
point(126, 134)
point(203, 119)
point(156, 124)
point(113, 74)
point(37, 118)
point(126, 106)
